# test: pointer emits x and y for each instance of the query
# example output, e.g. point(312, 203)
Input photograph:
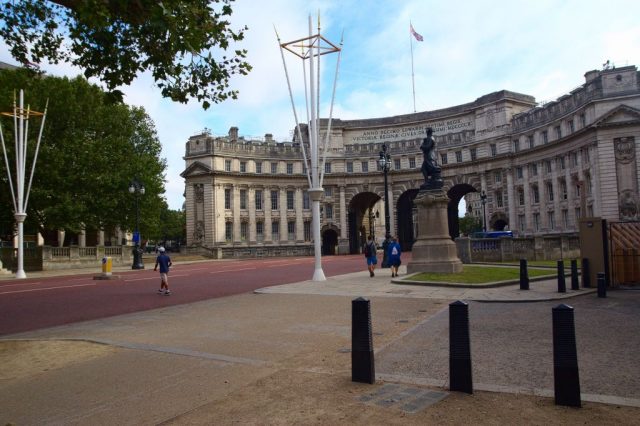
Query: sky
point(540, 48)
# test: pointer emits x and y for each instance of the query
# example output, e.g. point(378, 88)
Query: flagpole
point(413, 82)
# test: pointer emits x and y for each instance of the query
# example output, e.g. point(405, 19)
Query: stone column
point(251, 194)
point(542, 193)
point(433, 251)
point(101, 237)
point(527, 200)
point(299, 220)
point(511, 200)
point(82, 238)
point(284, 235)
point(236, 214)
point(343, 213)
point(267, 215)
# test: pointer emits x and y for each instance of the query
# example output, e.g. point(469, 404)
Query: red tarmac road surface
point(31, 304)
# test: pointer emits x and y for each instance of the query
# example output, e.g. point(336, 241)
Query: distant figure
point(371, 255)
point(164, 261)
point(393, 254)
point(430, 168)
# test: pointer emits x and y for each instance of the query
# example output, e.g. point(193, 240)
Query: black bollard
point(362, 365)
point(566, 380)
point(575, 284)
point(459, 348)
point(562, 287)
point(586, 274)
point(602, 285)
point(524, 275)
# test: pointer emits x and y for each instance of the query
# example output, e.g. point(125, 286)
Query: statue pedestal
point(433, 251)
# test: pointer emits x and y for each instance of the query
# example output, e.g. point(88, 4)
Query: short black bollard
point(362, 365)
point(566, 380)
point(524, 275)
point(602, 285)
point(586, 274)
point(575, 284)
point(459, 348)
point(562, 286)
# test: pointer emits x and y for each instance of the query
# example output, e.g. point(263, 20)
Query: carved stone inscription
point(392, 134)
point(628, 202)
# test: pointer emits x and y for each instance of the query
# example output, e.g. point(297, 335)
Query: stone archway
point(329, 240)
point(498, 221)
point(406, 219)
point(359, 225)
point(456, 193)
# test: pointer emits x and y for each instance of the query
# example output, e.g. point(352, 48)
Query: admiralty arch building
point(540, 167)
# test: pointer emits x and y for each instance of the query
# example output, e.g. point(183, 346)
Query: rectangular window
point(531, 142)
point(243, 199)
point(275, 230)
point(443, 158)
point(521, 222)
point(574, 159)
point(227, 165)
point(473, 153)
point(585, 156)
point(274, 200)
point(274, 168)
point(519, 172)
point(328, 209)
point(577, 190)
point(244, 231)
point(258, 199)
point(497, 177)
point(521, 197)
point(307, 230)
point(589, 211)
point(494, 149)
point(549, 191)
point(412, 162)
point(551, 218)
point(572, 127)
point(545, 137)
point(558, 131)
point(565, 219)
point(577, 213)
point(365, 166)
point(260, 231)
point(587, 178)
point(291, 230)
point(547, 166)
point(327, 167)
point(561, 162)
point(227, 198)
point(328, 191)
point(228, 231)
point(243, 167)
point(305, 200)
point(258, 168)
point(304, 168)
point(516, 145)
point(534, 169)
point(583, 121)
point(563, 189)
point(290, 200)
point(289, 168)
point(536, 194)
point(536, 221)
point(396, 164)
point(499, 201)
point(349, 167)
point(459, 156)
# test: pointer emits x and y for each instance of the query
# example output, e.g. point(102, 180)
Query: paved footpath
point(185, 364)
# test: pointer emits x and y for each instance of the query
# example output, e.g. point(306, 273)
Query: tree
point(469, 224)
point(115, 40)
point(91, 149)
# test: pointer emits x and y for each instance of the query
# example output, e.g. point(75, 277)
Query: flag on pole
point(415, 34)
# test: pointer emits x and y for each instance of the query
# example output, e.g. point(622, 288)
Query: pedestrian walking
point(393, 254)
point(370, 255)
point(164, 261)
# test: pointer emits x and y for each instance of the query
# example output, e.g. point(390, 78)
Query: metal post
point(483, 199)
point(362, 364)
point(565, 358)
point(562, 287)
point(602, 285)
point(575, 284)
point(385, 164)
point(524, 275)
point(586, 274)
point(459, 348)
point(137, 188)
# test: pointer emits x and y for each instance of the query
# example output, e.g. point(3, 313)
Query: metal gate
point(624, 240)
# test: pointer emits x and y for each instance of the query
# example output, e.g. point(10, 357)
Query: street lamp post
point(137, 188)
point(483, 199)
point(385, 165)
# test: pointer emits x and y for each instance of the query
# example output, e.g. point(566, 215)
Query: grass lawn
point(545, 263)
point(473, 274)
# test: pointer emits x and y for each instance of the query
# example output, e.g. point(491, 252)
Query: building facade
point(540, 168)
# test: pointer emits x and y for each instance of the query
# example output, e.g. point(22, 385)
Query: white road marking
point(46, 288)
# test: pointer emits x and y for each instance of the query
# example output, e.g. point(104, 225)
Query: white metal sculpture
point(310, 49)
point(19, 193)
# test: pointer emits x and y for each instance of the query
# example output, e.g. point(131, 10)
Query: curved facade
point(541, 168)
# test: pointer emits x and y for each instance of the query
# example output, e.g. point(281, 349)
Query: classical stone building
point(541, 167)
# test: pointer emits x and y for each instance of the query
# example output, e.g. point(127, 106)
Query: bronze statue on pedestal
point(430, 168)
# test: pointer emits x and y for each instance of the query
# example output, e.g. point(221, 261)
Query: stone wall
point(554, 247)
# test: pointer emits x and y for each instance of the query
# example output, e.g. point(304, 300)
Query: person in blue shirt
point(393, 254)
point(164, 261)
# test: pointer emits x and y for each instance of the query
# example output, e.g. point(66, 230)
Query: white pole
point(413, 82)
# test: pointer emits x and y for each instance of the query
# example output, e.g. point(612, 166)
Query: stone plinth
point(433, 251)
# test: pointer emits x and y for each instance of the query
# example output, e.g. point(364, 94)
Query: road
point(45, 302)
